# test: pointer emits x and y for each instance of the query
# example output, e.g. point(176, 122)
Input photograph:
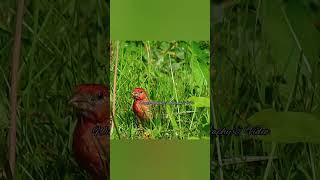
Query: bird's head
point(139, 94)
point(92, 101)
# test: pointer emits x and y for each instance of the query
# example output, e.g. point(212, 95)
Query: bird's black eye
point(100, 96)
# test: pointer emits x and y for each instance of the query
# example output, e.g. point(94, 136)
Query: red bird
point(91, 134)
point(142, 111)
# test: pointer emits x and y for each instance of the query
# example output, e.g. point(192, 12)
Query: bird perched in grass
point(141, 110)
point(91, 135)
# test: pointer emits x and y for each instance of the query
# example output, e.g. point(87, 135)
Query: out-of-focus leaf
point(289, 30)
point(307, 35)
point(288, 127)
point(205, 71)
point(196, 72)
point(200, 101)
point(282, 46)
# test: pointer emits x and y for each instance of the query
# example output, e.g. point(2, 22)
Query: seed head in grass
point(90, 148)
point(141, 110)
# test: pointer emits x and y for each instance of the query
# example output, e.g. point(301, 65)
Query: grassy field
point(170, 72)
point(266, 56)
point(64, 44)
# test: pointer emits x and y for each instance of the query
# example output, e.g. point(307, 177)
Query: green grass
point(258, 65)
point(64, 45)
point(170, 72)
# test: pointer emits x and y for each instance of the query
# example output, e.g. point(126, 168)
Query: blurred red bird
point(91, 134)
point(141, 110)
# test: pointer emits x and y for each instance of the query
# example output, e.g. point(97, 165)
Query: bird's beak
point(73, 100)
point(134, 94)
point(79, 101)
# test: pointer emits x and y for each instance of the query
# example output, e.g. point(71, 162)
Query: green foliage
point(64, 44)
point(267, 57)
point(288, 127)
point(200, 101)
point(170, 72)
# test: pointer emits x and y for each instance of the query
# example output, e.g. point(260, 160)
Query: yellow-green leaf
point(200, 101)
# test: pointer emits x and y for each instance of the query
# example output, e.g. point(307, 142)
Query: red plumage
point(91, 134)
point(141, 110)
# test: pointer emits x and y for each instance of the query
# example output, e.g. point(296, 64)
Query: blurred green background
point(160, 159)
point(160, 20)
point(266, 69)
point(64, 44)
